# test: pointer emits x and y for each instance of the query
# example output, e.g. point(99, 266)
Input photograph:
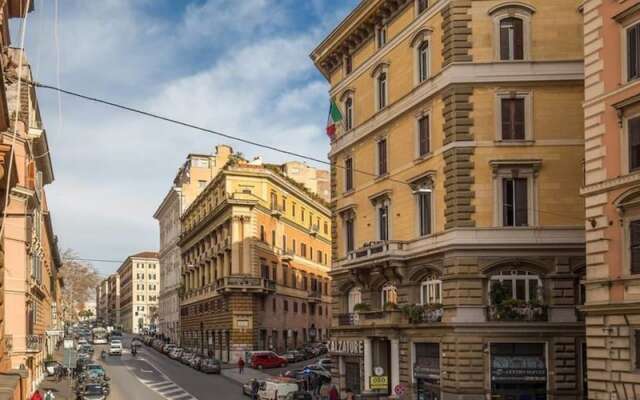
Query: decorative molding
point(511, 4)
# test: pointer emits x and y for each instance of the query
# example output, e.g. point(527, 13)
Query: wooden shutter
point(634, 239)
point(504, 40)
point(633, 52)
point(507, 202)
point(507, 121)
point(518, 119)
point(424, 135)
point(382, 156)
point(521, 202)
point(518, 39)
point(633, 128)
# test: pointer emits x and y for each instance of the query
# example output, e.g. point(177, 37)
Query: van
point(277, 388)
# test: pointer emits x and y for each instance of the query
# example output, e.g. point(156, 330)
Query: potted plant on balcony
point(414, 312)
point(361, 307)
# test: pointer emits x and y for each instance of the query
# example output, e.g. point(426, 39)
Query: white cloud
point(233, 66)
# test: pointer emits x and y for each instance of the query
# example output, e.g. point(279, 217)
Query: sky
point(237, 66)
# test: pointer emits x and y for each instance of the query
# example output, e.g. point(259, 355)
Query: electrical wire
point(246, 141)
point(95, 260)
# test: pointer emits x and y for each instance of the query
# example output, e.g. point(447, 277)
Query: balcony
point(287, 255)
point(375, 249)
point(276, 211)
point(517, 311)
point(314, 296)
point(33, 343)
point(422, 314)
point(348, 319)
point(248, 284)
point(313, 230)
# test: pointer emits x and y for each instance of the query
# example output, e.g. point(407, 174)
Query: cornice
point(611, 184)
point(462, 73)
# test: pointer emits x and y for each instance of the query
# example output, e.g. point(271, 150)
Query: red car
point(267, 359)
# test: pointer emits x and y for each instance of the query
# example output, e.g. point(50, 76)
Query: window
point(421, 5)
point(519, 285)
point(382, 157)
point(285, 275)
point(511, 39)
point(424, 143)
point(431, 291)
point(514, 202)
point(633, 52)
point(382, 90)
point(293, 210)
point(284, 242)
point(383, 221)
point(389, 294)
point(633, 130)
point(634, 246)
point(303, 249)
point(348, 114)
point(513, 118)
point(381, 36)
point(295, 307)
point(304, 308)
point(274, 201)
point(424, 211)
point(273, 238)
point(286, 305)
point(284, 204)
point(262, 234)
point(423, 61)
point(349, 234)
point(354, 297)
point(348, 174)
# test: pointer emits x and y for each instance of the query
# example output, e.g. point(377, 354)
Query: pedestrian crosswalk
point(167, 389)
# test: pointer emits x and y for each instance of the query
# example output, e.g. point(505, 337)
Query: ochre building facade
point(458, 236)
point(612, 190)
point(255, 250)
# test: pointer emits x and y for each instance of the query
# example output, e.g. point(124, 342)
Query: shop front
point(518, 371)
point(348, 355)
point(426, 371)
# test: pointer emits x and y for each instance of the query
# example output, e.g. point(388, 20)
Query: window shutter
point(633, 127)
point(518, 39)
point(507, 202)
point(633, 55)
point(507, 126)
point(504, 40)
point(634, 233)
point(522, 212)
point(518, 119)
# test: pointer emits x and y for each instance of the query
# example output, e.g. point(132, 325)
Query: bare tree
point(80, 279)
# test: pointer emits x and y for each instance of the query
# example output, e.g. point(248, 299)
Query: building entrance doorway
point(518, 371)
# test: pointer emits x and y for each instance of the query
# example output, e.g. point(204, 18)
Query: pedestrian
point(49, 395)
point(36, 395)
point(255, 386)
point(333, 393)
point(350, 395)
point(240, 365)
point(58, 372)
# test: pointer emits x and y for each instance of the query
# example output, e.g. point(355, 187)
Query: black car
point(210, 366)
point(92, 391)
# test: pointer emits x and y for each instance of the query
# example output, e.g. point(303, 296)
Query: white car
point(115, 349)
point(277, 388)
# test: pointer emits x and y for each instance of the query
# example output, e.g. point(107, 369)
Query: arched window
point(389, 294)
point(431, 290)
point(511, 39)
point(354, 297)
point(348, 114)
point(516, 284)
point(423, 61)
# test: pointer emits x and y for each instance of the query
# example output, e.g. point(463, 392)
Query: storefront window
point(389, 294)
point(426, 371)
point(518, 371)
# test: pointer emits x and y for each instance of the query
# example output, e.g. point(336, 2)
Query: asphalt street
point(152, 376)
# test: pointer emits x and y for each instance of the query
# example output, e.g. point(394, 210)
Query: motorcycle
point(103, 354)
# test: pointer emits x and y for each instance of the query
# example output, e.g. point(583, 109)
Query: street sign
point(399, 389)
point(379, 382)
point(379, 371)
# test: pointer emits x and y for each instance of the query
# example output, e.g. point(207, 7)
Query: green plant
point(414, 312)
point(361, 307)
point(498, 293)
point(49, 357)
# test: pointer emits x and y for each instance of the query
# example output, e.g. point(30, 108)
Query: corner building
point(255, 250)
point(458, 236)
point(611, 190)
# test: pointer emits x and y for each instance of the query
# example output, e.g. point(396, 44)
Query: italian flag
point(335, 117)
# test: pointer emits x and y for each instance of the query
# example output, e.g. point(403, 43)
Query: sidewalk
point(61, 390)
point(248, 373)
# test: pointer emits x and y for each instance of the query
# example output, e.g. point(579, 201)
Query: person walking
point(350, 395)
point(333, 393)
point(240, 366)
point(255, 387)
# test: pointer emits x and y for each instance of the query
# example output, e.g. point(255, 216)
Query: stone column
point(395, 363)
point(367, 363)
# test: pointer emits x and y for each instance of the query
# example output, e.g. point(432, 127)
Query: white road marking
point(165, 388)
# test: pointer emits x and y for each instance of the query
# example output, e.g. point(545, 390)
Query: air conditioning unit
point(34, 133)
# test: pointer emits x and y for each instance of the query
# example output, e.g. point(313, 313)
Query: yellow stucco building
point(458, 239)
point(256, 250)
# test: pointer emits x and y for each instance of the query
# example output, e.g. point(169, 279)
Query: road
point(152, 376)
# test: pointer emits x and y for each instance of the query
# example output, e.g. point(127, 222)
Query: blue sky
point(238, 66)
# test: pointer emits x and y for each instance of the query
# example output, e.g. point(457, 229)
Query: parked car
point(194, 362)
point(267, 359)
point(210, 366)
point(86, 348)
point(115, 349)
point(168, 347)
point(185, 357)
point(176, 353)
point(279, 387)
point(96, 369)
point(51, 367)
point(91, 391)
point(293, 356)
